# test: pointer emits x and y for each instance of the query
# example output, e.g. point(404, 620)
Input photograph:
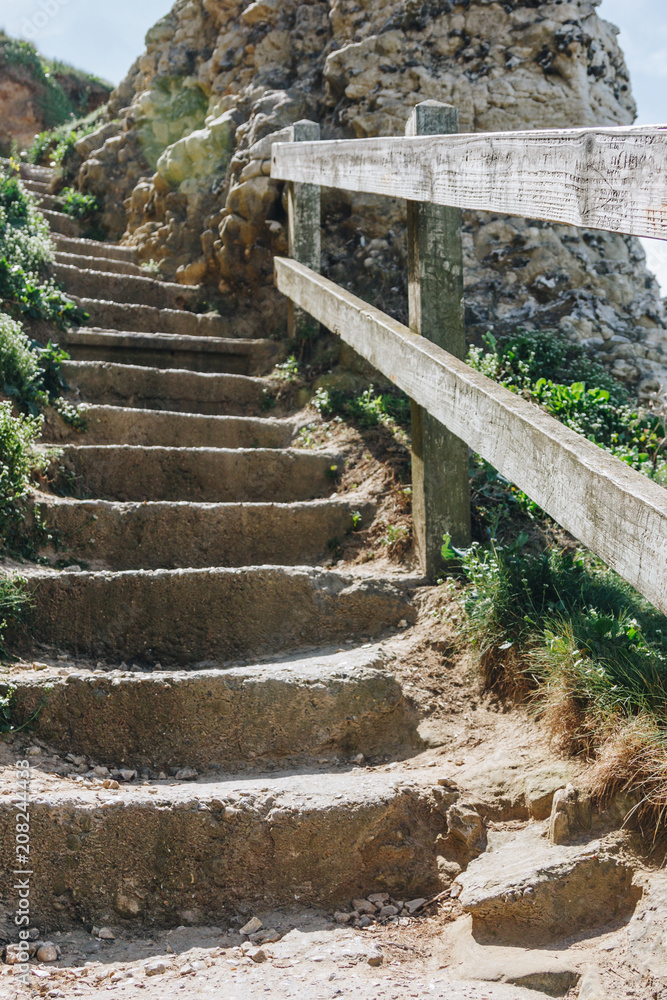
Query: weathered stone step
point(188, 617)
point(233, 356)
point(93, 248)
point(49, 201)
point(530, 892)
point(158, 389)
point(102, 264)
point(61, 223)
point(245, 718)
point(207, 475)
point(149, 854)
point(154, 535)
point(131, 290)
point(124, 316)
point(31, 171)
point(41, 187)
point(161, 428)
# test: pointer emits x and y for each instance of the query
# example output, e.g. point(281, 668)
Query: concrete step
point(41, 187)
point(146, 855)
point(205, 616)
point(161, 535)
point(93, 248)
point(122, 425)
point(123, 316)
point(61, 223)
point(157, 389)
point(233, 356)
point(102, 264)
point(274, 714)
point(122, 288)
point(31, 172)
point(49, 201)
point(204, 475)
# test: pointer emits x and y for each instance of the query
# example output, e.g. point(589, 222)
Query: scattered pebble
point(253, 925)
point(48, 953)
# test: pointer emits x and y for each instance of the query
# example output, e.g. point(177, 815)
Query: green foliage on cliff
point(56, 102)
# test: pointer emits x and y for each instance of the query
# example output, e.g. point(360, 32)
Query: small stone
point(388, 911)
point(187, 774)
point(414, 905)
point(157, 967)
point(106, 934)
point(375, 960)
point(266, 937)
point(127, 775)
point(258, 956)
point(379, 897)
point(110, 783)
point(34, 752)
point(101, 772)
point(47, 953)
point(363, 906)
point(253, 925)
point(365, 921)
point(199, 965)
point(342, 918)
point(359, 759)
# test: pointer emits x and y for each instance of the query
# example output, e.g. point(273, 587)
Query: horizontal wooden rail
point(603, 178)
point(616, 512)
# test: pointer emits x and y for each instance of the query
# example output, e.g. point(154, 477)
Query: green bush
point(557, 625)
point(78, 205)
point(25, 254)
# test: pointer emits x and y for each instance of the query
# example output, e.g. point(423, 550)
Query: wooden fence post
point(303, 214)
point(440, 464)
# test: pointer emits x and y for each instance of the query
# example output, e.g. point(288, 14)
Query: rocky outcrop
point(184, 172)
point(36, 95)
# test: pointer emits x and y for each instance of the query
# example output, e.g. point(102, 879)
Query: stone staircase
point(197, 639)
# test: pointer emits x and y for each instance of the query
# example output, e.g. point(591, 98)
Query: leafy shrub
point(18, 459)
point(25, 253)
point(560, 626)
point(78, 205)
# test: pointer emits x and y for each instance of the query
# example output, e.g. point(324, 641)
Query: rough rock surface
point(184, 172)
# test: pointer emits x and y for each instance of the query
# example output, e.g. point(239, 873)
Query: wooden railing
point(611, 178)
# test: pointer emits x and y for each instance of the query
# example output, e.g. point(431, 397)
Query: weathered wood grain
point(604, 178)
point(617, 512)
point(305, 234)
point(440, 473)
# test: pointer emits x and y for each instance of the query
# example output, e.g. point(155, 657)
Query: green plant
point(15, 602)
point(25, 254)
point(288, 371)
point(78, 205)
point(19, 459)
point(368, 408)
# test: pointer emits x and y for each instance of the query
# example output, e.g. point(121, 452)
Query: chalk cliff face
point(184, 172)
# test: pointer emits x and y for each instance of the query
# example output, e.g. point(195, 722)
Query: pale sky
point(105, 39)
